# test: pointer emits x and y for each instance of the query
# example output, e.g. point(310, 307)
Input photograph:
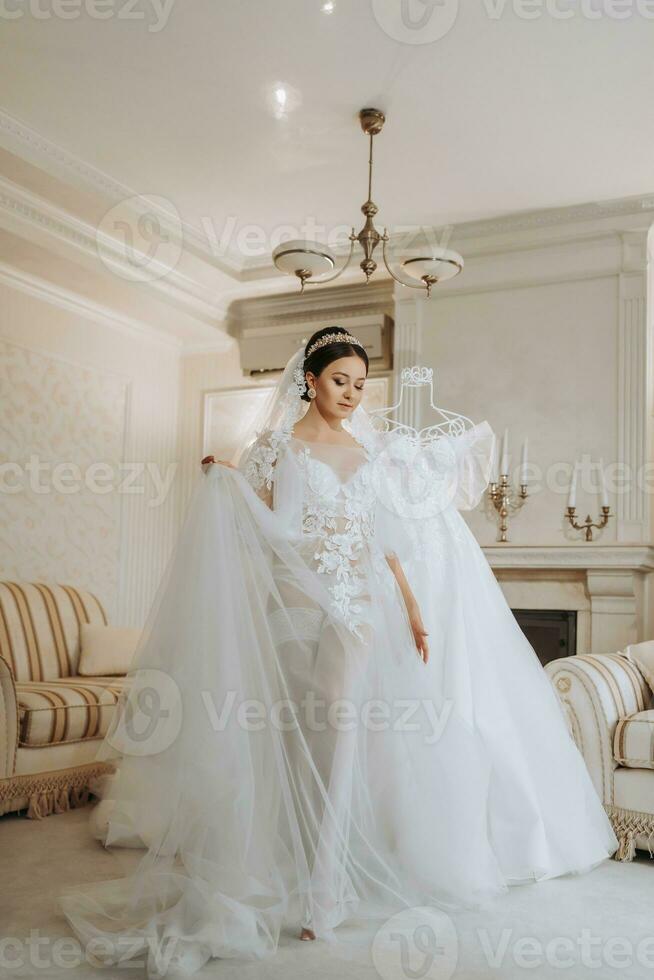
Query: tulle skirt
point(544, 815)
point(279, 769)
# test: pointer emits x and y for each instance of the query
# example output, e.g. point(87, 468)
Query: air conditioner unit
point(269, 348)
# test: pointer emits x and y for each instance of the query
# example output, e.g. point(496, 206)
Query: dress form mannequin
point(451, 423)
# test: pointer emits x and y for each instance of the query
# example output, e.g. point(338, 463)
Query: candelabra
point(506, 501)
point(571, 509)
point(588, 524)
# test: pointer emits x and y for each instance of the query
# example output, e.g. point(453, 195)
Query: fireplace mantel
point(609, 586)
point(637, 557)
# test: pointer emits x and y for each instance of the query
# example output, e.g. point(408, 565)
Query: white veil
point(281, 409)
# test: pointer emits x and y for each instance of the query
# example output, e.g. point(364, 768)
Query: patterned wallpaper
point(61, 452)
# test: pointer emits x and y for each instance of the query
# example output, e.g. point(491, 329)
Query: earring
point(312, 392)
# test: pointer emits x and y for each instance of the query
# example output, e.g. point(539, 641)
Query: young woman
point(292, 750)
point(335, 370)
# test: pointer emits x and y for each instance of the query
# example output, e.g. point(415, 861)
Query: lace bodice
point(334, 512)
point(338, 515)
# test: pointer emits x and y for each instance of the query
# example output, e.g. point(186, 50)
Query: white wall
point(83, 391)
point(540, 360)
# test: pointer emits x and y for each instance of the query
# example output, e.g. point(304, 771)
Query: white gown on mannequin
point(544, 817)
point(349, 778)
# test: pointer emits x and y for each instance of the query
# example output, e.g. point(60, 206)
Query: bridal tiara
point(333, 338)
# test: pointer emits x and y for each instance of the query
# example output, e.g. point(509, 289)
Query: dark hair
point(318, 361)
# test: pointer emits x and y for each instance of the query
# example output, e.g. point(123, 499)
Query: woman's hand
point(212, 459)
point(419, 632)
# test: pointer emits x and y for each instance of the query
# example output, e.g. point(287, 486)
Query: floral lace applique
point(259, 465)
point(340, 517)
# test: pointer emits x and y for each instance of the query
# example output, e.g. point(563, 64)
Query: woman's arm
point(413, 611)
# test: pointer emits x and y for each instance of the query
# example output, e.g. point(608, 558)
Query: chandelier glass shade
point(315, 264)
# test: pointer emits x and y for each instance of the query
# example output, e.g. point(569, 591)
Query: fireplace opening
point(551, 632)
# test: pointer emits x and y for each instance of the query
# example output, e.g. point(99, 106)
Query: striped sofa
point(610, 709)
point(51, 719)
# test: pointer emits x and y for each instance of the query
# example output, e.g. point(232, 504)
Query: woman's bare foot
point(307, 934)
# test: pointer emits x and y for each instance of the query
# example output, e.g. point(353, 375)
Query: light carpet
point(598, 925)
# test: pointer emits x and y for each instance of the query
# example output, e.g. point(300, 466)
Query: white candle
point(605, 495)
point(504, 468)
point(494, 458)
point(572, 496)
point(523, 479)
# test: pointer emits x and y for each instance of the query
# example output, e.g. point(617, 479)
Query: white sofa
point(610, 707)
point(51, 718)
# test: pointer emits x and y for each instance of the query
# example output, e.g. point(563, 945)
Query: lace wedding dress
point(285, 756)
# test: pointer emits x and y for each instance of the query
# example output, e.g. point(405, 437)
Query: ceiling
point(493, 107)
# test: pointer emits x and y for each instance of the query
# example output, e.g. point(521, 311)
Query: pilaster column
point(406, 352)
point(634, 395)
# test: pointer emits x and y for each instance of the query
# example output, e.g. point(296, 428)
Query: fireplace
point(608, 588)
point(551, 632)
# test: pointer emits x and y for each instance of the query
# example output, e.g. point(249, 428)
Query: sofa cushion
point(642, 654)
point(66, 709)
point(633, 741)
point(106, 650)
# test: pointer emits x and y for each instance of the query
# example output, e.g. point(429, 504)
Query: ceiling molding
point(518, 233)
point(576, 257)
point(554, 217)
point(545, 228)
point(20, 139)
point(531, 225)
point(36, 212)
point(64, 299)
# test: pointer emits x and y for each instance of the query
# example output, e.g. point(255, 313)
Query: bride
point(332, 712)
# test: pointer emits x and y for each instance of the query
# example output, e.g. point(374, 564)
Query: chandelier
point(305, 259)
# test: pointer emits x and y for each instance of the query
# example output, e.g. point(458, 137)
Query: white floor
point(599, 925)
